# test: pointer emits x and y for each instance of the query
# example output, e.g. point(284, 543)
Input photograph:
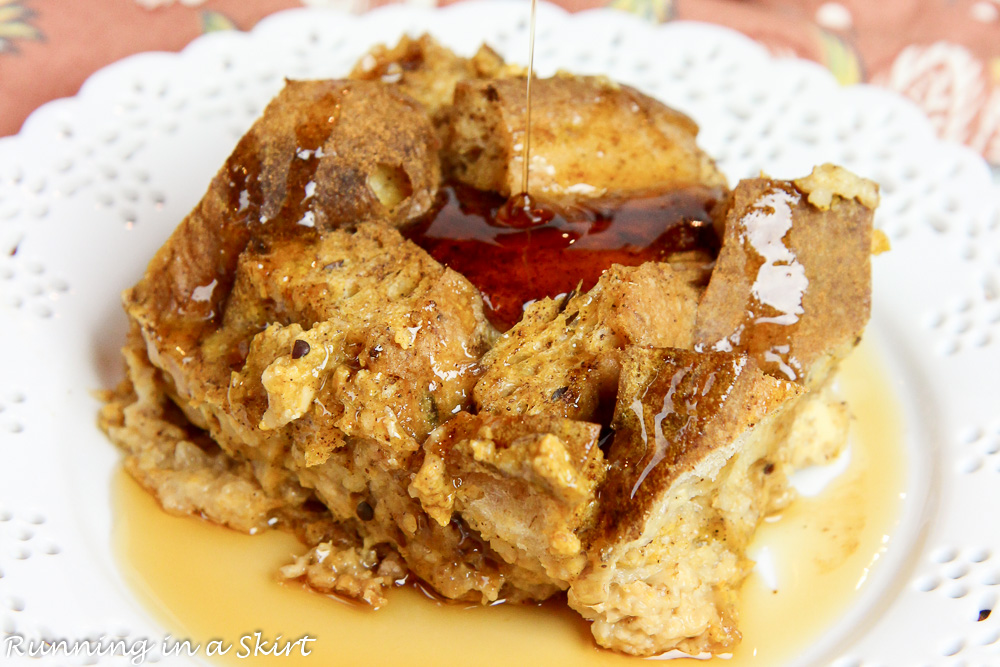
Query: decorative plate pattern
point(94, 184)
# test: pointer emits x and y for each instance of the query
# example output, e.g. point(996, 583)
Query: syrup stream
point(527, 123)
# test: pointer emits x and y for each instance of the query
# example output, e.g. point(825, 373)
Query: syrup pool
point(519, 250)
point(204, 582)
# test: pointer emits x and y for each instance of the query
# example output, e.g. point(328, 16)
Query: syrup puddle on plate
point(204, 582)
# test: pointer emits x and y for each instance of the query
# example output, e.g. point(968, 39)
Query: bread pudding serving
point(367, 334)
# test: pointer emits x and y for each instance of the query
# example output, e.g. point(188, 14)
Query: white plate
point(94, 184)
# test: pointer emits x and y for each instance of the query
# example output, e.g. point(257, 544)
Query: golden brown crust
point(301, 169)
point(393, 337)
point(289, 346)
point(792, 283)
point(677, 409)
point(426, 71)
point(563, 355)
point(680, 501)
point(829, 180)
point(589, 137)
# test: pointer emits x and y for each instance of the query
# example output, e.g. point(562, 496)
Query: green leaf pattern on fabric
point(654, 11)
point(15, 25)
point(840, 58)
point(216, 21)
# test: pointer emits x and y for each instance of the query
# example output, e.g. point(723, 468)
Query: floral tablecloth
point(942, 54)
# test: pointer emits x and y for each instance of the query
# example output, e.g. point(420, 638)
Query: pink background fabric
point(942, 54)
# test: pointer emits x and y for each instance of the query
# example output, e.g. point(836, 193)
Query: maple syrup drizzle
point(521, 249)
point(527, 91)
point(204, 582)
point(478, 234)
point(255, 212)
point(518, 250)
point(291, 207)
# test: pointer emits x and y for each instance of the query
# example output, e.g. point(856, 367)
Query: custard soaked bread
point(297, 360)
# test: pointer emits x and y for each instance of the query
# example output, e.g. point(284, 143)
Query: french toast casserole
point(598, 392)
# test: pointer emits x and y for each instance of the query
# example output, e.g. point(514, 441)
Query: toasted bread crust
point(792, 283)
point(589, 136)
point(295, 361)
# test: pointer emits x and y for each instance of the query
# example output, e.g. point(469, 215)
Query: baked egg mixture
point(370, 335)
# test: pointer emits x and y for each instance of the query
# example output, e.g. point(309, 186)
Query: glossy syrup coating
point(316, 160)
point(518, 251)
point(682, 496)
point(792, 284)
point(675, 410)
point(356, 393)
